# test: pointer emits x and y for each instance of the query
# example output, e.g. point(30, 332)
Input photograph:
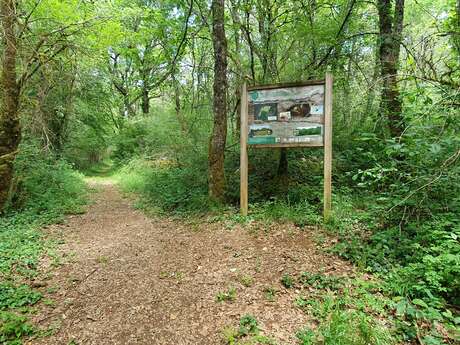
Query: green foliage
point(305, 336)
point(287, 281)
point(347, 317)
point(248, 325)
point(434, 272)
point(168, 171)
point(85, 148)
point(416, 319)
point(13, 327)
point(46, 185)
point(270, 293)
point(229, 295)
point(247, 333)
point(320, 281)
point(404, 223)
point(419, 261)
point(17, 296)
point(20, 244)
point(46, 189)
point(129, 142)
point(169, 188)
point(246, 280)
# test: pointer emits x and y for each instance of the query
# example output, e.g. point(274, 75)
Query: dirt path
point(130, 279)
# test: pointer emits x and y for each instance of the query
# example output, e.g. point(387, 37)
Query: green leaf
point(420, 303)
point(447, 314)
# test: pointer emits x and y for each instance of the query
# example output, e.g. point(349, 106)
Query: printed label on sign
point(317, 110)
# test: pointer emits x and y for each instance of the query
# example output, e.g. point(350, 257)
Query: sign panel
point(286, 115)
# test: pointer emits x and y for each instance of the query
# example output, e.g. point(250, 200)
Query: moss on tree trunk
point(219, 132)
point(10, 129)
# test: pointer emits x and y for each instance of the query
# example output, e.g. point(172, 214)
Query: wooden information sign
point(287, 115)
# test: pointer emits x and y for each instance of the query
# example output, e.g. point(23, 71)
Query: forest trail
point(126, 278)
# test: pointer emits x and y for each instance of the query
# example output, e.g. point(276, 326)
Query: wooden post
point(328, 147)
point(244, 152)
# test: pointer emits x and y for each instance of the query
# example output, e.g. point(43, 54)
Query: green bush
point(85, 148)
point(433, 271)
point(45, 185)
point(129, 142)
point(46, 188)
point(169, 188)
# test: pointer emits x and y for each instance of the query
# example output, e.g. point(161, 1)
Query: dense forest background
point(149, 91)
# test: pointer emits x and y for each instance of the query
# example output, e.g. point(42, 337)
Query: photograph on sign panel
point(286, 115)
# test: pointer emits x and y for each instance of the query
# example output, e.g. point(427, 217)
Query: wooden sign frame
point(327, 140)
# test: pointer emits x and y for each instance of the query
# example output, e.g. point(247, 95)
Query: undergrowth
point(418, 263)
point(46, 189)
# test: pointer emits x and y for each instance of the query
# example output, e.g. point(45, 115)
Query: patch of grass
point(305, 336)
point(246, 280)
point(52, 290)
point(270, 293)
point(340, 323)
point(229, 295)
point(173, 275)
point(248, 325)
point(304, 302)
point(102, 259)
point(49, 302)
point(287, 281)
point(350, 316)
point(246, 334)
point(301, 214)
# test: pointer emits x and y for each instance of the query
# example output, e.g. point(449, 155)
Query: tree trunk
point(10, 129)
point(177, 105)
point(247, 30)
point(457, 30)
point(240, 71)
point(219, 132)
point(372, 86)
point(390, 42)
point(128, 110)
point(283, 163)
point(145, 101)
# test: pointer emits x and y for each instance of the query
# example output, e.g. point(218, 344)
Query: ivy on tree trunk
point(390, 26)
